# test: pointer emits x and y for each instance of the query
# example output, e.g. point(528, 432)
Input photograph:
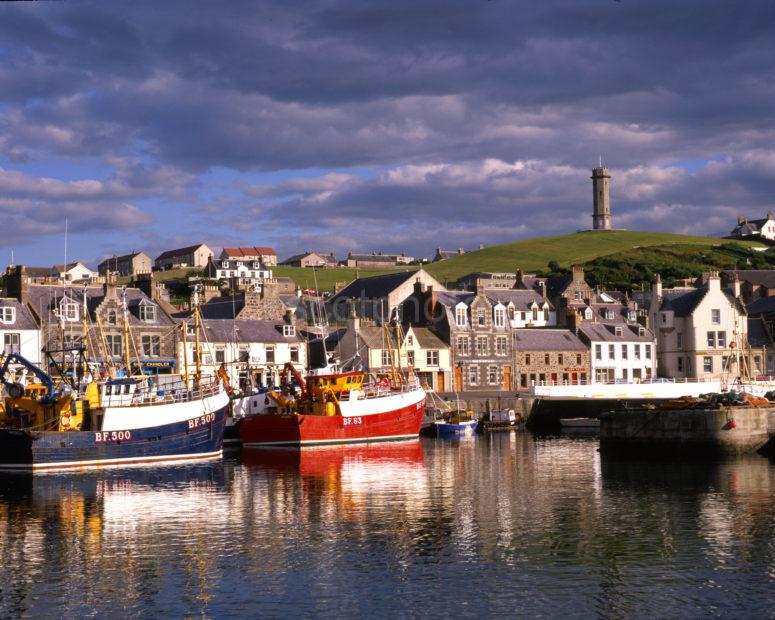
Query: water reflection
point(510, 523)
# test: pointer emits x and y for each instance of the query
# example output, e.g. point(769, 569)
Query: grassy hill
point(579, 248)
point(327, 279)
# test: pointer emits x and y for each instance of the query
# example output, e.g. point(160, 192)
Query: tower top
point(600, 172)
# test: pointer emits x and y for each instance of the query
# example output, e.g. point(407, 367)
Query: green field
point(534, 254)
point(327, 279)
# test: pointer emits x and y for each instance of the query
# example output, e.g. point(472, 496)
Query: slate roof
point(757, 333)
point(228, 330)
point(222, 307)
point(179, 252)
point(427, 339)
point(373, 287)
point(606, 332)
point(37, 272)
point(749, 227)
point(764, 305)
point(23, 318)
point(556, 286)
point(762, 277)
point(683, 301)
point(45, 298)
point(61, 267)
point(115, 259)
point(537, 339)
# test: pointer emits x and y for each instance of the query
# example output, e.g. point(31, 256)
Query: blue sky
point(392, 125)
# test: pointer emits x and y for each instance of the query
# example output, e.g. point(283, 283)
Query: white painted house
point(73, 272)
point(253, 351)
point(620, 352)
point(523, 308)
point(19, 332)
point(699, 329)
point(241, 273)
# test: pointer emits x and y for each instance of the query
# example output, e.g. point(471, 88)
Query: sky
point(394, 126)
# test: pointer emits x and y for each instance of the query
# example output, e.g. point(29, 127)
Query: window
point(151, 346)
point(410, 357)
point(463, 343)
point(547, 360)
point(294, 354)
point(72, 342)
point(524, 316)
point(680, 364)
point(68, 310)
point(112, 319)
point(387, 359)
point(7, 315)
point(410, 340)
point(492, 375)
point(481, 317)
point(11, 343)
point(270, 355)
point(220, 356)
point(289, 331)
point(499, 317)
point(722, 340)
point(535, 314)
point(647, 350)
point(624, 351)
point(460, 317)
point(225, 264)
point(707, 363)
point(473, 375)
point(711, 340)
point(559, 358)
point(147, 312)
point(114, 344)
point(715, 316)
point(546, 314)
point(511, 312)
point(244, 354)
point(527, 359)
point(679, 340)
point(637, 351)
point(481, 345)
point(500, 345)
point(617, 330)
point(664, 318)
point(612, 351)
point(598, 351)
point(432, 358)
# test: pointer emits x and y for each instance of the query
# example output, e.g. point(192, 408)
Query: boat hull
point(447, 429)
point(401, 421)
point(198, 437)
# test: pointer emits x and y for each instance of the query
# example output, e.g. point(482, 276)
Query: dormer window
point(225, 264)
point(460, 317)
point(618, 331)
point(148, 312)
point(631, 315)
point(7, 315)
point(499, 316)
point(641, 331)
point(289, 331)
point(68, 310)
point(410, 340)
point(112, 317)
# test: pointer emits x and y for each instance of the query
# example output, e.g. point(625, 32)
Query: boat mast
point(84, 336)
point(198, 375)
point(184, 329)
point(127, 361)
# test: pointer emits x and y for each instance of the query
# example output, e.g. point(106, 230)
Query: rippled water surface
point(505, 524)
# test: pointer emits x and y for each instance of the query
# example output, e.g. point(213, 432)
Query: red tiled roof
point(256, 251)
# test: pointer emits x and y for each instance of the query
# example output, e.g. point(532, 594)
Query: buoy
point(730, 425)
point(732, 344)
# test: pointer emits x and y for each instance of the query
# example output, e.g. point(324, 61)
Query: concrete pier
point(729, 430)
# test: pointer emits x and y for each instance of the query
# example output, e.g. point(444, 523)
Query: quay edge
point(724, 431)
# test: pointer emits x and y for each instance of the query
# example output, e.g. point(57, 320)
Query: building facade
point(698, 329)
point(192, 256)
point(311, 259)
point(127, 265)
point(549, 357)
point(619, 352)
point(19, 333)
point(264, 255)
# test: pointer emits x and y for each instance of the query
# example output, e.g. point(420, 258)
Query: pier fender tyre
point(15, 390)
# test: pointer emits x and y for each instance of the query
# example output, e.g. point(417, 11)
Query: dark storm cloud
point(429, 90)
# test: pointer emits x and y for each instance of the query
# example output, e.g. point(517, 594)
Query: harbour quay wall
point(735, 430)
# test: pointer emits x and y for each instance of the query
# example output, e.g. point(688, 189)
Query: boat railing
point(167, 394)
point(650, 381)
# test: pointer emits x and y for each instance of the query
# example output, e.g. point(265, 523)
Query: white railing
point(653, 381)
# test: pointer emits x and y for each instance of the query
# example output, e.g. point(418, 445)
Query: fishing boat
point(331, 406)
point(457, 425)
point(120, 420)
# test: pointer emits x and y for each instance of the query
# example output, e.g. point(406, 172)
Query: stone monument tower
point(601, 216)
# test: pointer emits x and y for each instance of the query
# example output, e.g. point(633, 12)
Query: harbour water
point(508, 524)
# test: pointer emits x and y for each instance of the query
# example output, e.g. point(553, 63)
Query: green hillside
point(327, 279)
point(579, 248)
